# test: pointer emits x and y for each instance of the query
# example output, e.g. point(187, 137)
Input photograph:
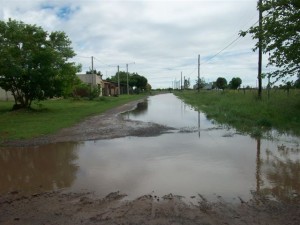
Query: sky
point(157, 39)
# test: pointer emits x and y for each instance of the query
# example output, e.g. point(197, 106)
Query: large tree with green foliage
point(134, 80)
point(138, 81)
point(34, 64)
point(280, 35)
point(235, 83)
point(221, 83)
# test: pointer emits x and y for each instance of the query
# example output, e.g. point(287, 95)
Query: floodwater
point(197, 157)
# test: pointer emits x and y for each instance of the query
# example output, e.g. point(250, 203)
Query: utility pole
point(92, 72)
point(199, 73)
point(181, 82)
point(260, 51)
point(118, 80)
point(128, 76)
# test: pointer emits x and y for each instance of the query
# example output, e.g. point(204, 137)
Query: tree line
point(220, 83)
point(137, 83)
point(235, 83)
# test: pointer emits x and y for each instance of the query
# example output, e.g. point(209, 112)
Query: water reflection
point(140, 109)
point(33, 169)
point(281, 172)
point(199, 123)
point(168, 110)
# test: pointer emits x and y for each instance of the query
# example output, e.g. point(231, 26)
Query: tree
point(94, 72)
point(279, 35)
point(134, 80)
point(221, 83)
point(297, 82)
point(186, 83)
point(148, 87)
point(122, 76)
point(34, 64)
point(138, 81)
point(201, 83)
point(235, 83)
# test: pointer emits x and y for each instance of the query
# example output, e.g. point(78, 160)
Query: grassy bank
point(246, 113)
point(51, 115)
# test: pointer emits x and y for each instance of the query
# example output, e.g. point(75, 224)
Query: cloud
point(163, 38)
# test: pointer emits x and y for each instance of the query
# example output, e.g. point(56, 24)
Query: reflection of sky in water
point(179, 163)
point(218, 162)
point(170, 111)
point(171, 163)
point(174, 163)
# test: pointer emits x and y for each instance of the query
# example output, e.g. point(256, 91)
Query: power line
point(227, 46)
point(104, 63)
point(176, 67)
point(80, 56)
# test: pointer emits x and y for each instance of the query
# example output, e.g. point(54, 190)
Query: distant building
point(109, 88)
point(105, 88)
point(208, 86)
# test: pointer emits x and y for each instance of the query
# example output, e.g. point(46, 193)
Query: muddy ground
point(110, 124)
point(85, 208)
point(61, 207)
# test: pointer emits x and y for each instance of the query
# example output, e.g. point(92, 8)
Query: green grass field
point(51, 115)
point(246, 113)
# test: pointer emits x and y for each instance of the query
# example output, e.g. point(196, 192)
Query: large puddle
point(199, 157)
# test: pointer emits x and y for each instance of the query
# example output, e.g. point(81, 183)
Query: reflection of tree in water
point(282, 171)
point(140, 109)
point(30, 169)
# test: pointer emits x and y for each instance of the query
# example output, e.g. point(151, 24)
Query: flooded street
point(196, 157)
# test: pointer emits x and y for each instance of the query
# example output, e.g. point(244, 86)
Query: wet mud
point(85, 208)
point(108, 125)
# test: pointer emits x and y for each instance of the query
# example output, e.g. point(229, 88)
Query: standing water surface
point(196, 157)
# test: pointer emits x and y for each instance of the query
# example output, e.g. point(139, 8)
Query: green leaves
point(280, 35)
point(34, 64)
point(235, 83)
point(221, 83)
point(134, 79)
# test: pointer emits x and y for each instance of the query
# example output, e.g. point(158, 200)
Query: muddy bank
point(110, 124)
point(85, 208)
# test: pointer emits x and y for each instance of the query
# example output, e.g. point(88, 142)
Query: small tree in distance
point(235, 83)
point(221, 83)
point(201, 83)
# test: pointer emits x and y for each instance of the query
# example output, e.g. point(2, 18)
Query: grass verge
point(52, 115)
point(243, 111)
